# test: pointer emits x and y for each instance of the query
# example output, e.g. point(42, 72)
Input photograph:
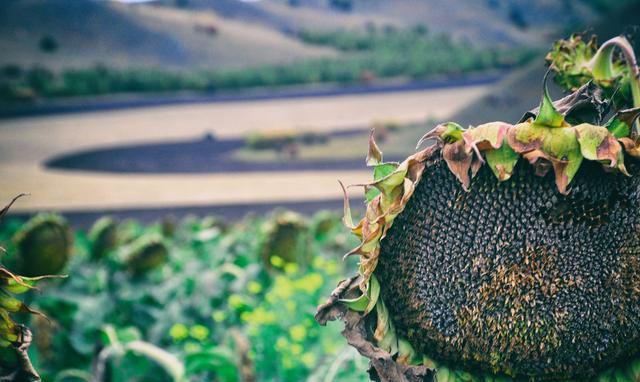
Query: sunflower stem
point(602, 66)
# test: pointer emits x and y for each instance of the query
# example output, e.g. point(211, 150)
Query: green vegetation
point(399, 137)
point(370, 55)
point(221, 306)
point(414, 52)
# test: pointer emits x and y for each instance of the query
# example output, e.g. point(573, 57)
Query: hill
point(224, 34)
point(84, 33)
point(510, 22)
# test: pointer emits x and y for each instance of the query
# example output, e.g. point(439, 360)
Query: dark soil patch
point(206, 155)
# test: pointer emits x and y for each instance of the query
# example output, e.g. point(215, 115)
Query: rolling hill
point(223, 34)
point(87, 32)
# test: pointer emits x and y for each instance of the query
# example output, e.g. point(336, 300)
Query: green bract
point(547, 142)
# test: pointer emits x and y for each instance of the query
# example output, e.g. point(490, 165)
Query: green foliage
point(280, 139)
point(211, 311)
point(375, 53)
point(413, 52)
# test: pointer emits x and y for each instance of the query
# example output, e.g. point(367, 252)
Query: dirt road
point(25, 143)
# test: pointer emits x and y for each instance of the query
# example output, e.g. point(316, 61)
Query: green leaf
point(444, 375)
point(129, 334)
point(406, 353)
point(452, 133)
point(358, 304)
point(620, 124)
point(366, 301)
point(387, 184)
point(602, 63)
point(547, 114)
point(373, 292)
point(618, 128)
point(502, 161)
point(219, 361)
point(590, 138)
point(109, 336)
point(371, 193)
point(384, 169)
point(170, 363)
point(526, 136)
point(562, 145)
point(380, 172)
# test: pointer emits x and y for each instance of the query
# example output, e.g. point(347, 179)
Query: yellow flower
point(332, 268)
point(259, 316)
point(318, 262)
point(298, 333)
point(254, 287)
point(291, 268)
point(277, 261)
point(309, 360)
point(199, 332)
point(236, 301)
point(178, 332)
point(296, 349)
point(219, 316)
point(310, 283)
point(281, 344)
point(282, 288)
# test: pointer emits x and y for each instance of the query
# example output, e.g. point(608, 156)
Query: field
point(211, 302)
point(182, 159)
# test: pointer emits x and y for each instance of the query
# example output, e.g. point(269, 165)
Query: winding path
point(26, 143)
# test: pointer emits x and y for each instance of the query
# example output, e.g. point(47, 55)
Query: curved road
point(26, 143)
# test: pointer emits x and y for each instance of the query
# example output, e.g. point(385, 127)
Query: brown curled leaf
point(539, 160)
point(383, 366)
point(610, 150)
point(459, 160)
point(486, 136)
point(631, 146)
point(6, 208)
point(526, 136)
point(374, 156)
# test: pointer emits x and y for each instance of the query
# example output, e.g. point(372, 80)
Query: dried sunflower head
point(502, 252)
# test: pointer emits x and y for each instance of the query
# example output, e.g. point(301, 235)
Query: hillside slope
point(231, 33)
point(510, 22)
point(88, 32)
